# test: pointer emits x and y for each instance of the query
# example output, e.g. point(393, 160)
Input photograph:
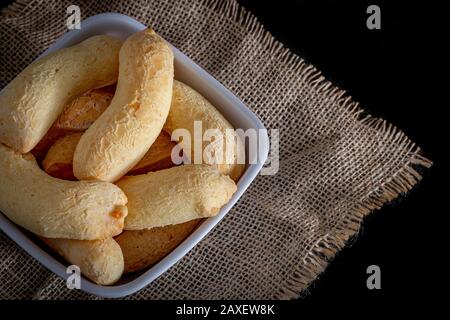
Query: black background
point(386, 71)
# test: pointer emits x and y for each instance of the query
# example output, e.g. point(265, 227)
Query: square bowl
point(121, 26)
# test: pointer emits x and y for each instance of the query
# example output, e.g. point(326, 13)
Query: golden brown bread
point(77, 116)
point(175, 195)
point(188, 106)
point(198, 190)
point(122, 135)
point(82, 112)
point(99, 260)
point(143, 248)
point(158, 157)
point(58, 161)
point(55, 208)
point(34, 99)
point(47, 141)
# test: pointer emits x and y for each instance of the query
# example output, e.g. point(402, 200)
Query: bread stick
point(58, 161)
point(77, 116)
point(143, 248)
point(121, 136)
point(175, 195)
point(35, 98)
point(55, 208)
point(158, 157)
point(99, 260)
point(188, 106)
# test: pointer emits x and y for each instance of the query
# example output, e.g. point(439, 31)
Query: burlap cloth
point(336, 163)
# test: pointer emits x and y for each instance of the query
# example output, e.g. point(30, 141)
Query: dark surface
point(385, 71)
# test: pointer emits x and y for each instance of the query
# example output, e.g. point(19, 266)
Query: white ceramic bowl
point(186, 70)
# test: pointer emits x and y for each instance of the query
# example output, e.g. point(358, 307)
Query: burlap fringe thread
point(16, 8)
point(403, 181)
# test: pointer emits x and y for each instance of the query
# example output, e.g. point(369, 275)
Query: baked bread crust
point(124, 132)
point(36, 97)
point(188, 106)
point(55, 208)
point(143, 248)
point(99, 260)
point(58, 161)
point(175, 195)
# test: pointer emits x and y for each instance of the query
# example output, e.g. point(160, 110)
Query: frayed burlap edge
point(325, 249)
point(16, 8)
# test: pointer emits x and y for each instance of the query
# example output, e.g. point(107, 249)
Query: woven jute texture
point(337, 163)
